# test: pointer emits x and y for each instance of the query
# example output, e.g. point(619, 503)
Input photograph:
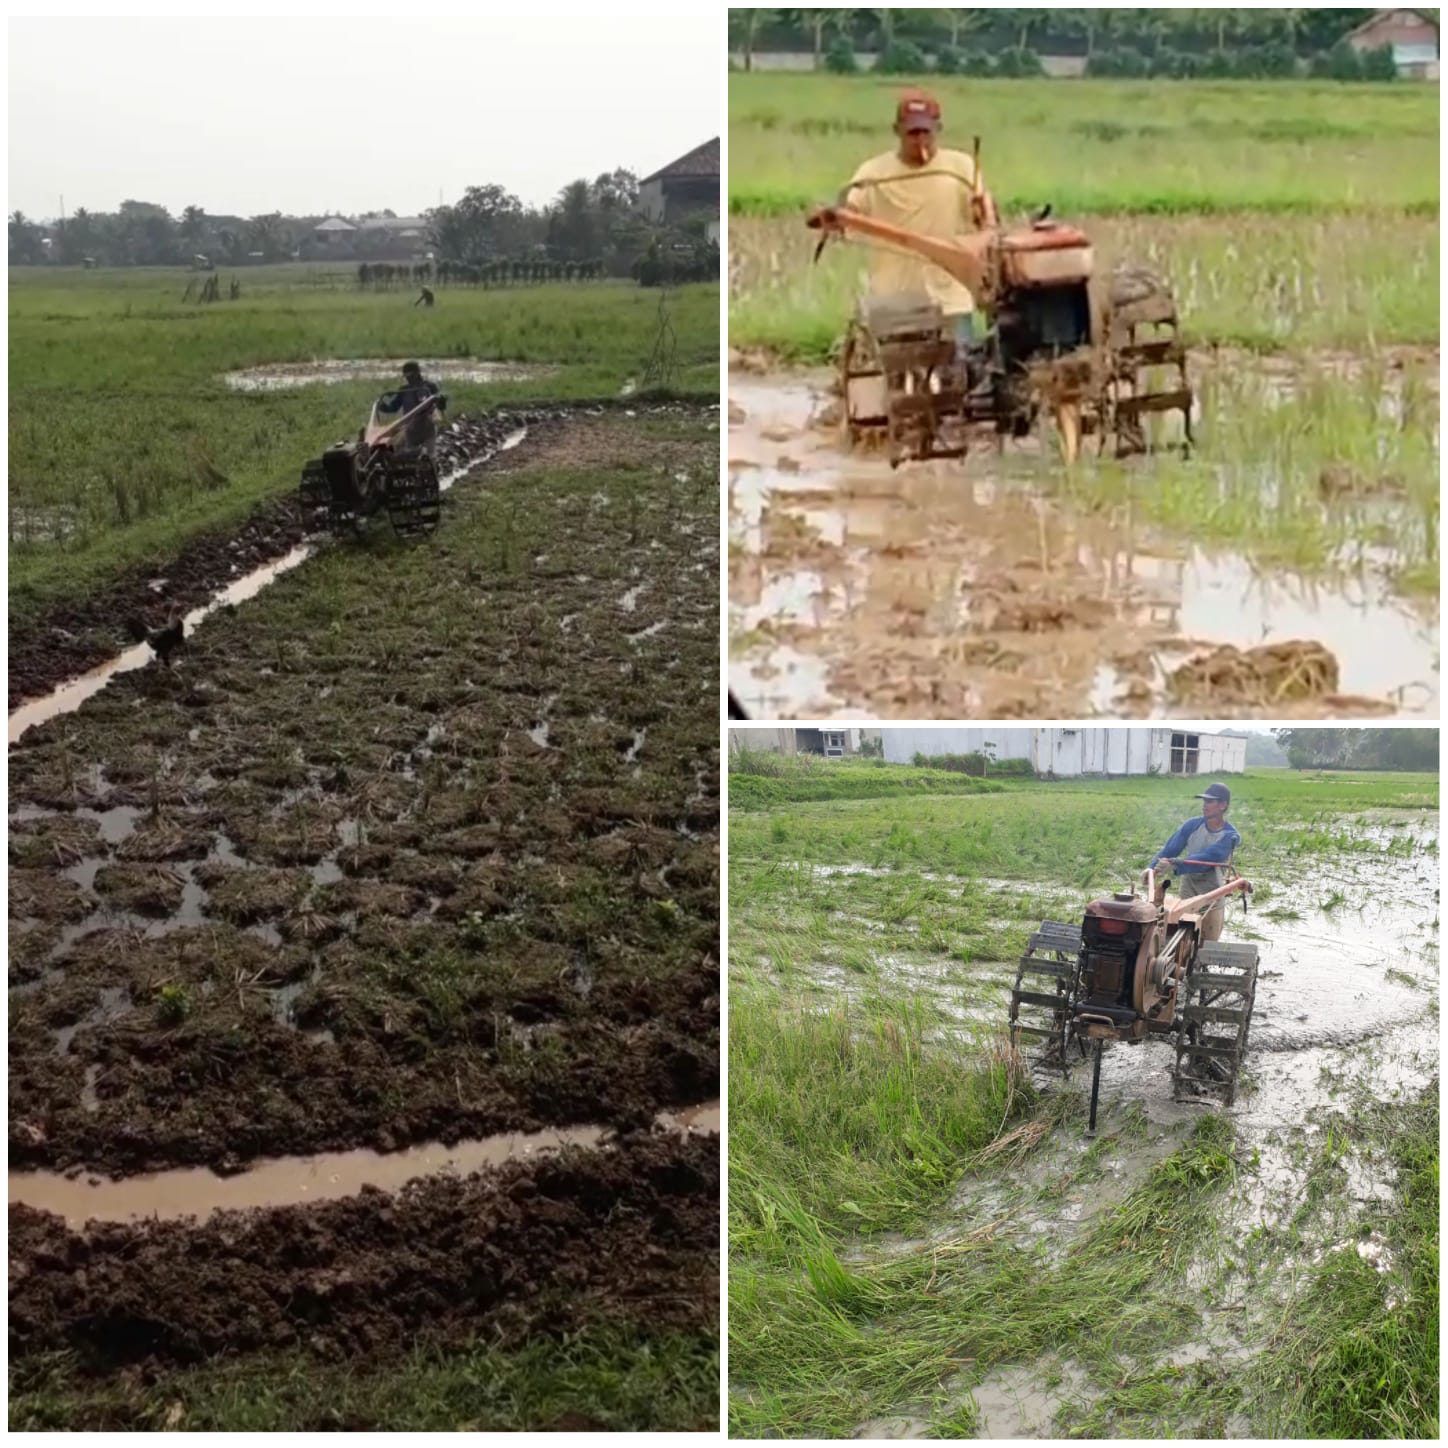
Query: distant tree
point(269, 234)
point(572, 228)
point(744, 29)
point(616, 190)
point(193, 226)
point(488, 220)
point(25, 237)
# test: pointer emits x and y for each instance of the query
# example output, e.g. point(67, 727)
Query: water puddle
point(198, 1192)
point(71, 695)
point(947, 591)
point(284, 376)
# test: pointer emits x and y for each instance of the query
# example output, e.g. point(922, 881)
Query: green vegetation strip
point(604, 1379)
point(1104, 147)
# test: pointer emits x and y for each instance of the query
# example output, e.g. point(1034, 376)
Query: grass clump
point(759, 780)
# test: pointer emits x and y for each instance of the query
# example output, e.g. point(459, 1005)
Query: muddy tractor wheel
point(1214, 1019)
point(1146, 363)
point(859, 373)
point(1043, 999)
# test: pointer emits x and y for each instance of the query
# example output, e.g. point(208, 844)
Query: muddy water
point(949, 590)
point(197, 1192)
point(283, 376)
point(74, 692)
point(69, 696)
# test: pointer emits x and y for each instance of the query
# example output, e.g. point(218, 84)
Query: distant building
point(334, 234)
point(1412, 36)
point(685, 188)
point(831, 743)
point(1067, 753)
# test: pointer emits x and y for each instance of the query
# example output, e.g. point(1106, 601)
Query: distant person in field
point(416, 389)
point(929, 190)
point(1200, 852)
point(426, 299)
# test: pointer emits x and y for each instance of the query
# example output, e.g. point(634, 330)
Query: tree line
point(1411, 750)
point(595, 228)
point(1177, 43)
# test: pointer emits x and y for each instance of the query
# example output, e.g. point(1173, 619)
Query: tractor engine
point(1112, 934)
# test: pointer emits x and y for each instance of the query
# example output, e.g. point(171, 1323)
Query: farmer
point(928, 190)
point(422, 430)
point(1199, 853)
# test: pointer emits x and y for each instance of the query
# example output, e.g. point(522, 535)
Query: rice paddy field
point(923, 1240)
point(139, 420)
point(363, 1056)
point(1297, 225)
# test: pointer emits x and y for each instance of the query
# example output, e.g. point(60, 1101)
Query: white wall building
point(1067, 753)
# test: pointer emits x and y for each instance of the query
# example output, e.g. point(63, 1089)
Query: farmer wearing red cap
point(1200, 852)
point(926, 189)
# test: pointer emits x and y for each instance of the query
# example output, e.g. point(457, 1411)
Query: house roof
point(1379, 16)
point(702, 161)
point(334, 223)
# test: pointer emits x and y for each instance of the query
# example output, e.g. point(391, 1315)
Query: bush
point(1019, 64)
point(948, 61)
point(840, 57)
point(1377, 64)
point(977, 63)
point(1342, 62)
point(900, 57)
point(1124, 62)
point(1217, 66)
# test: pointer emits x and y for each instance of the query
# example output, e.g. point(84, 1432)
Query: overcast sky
point(244, 116)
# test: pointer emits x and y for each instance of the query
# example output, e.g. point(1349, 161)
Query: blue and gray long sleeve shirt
point(1208, 851)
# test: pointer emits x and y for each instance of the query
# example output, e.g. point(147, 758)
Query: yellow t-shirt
point(933, 199)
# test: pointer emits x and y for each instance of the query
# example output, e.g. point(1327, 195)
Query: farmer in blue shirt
point(1199, 853)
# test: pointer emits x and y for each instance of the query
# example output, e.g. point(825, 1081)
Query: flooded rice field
point(961, 590)
point(385, 914)
point(325, 371)
point(1345, 1024)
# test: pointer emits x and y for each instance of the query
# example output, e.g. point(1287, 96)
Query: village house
point(1412, 36)
point(685, 188)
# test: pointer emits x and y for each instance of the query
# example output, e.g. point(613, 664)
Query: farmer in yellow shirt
point(929, 190)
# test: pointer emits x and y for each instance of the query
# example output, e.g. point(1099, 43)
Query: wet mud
point(960, 591)
point(532, 1247)
point(317, 887)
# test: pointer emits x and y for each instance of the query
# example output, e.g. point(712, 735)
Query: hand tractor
point(389, 466)
point(1136, 968)
point(1086, 347)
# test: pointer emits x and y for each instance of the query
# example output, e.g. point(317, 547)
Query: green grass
point(1087, 832)
point(604, 1379)
point(758, 780)
point(122, 431)
point(1157, 147)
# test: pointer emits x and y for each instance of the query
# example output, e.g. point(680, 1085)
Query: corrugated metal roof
point(334, 223)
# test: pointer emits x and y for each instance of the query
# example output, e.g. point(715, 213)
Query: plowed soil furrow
point(551, 1246)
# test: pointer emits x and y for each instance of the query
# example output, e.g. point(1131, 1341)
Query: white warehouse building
point(1067, 753)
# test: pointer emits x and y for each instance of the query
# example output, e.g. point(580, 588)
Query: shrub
point(1342, 62)
point(1124, 62)
point(901, 57)
point(840, 57)
point(1377, 64)
point(977, 63)
point(1019, 63)
point(948, 61)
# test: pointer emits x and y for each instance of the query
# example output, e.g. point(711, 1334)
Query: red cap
point(918, 110)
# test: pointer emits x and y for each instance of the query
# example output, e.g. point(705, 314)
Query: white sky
point(303, 115)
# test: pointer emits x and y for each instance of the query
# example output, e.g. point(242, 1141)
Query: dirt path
point(963, 592)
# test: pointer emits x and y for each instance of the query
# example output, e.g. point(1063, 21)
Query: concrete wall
point(776, 741)
point(1069, 753)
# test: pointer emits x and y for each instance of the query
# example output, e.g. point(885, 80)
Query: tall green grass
point(758, 780)
point(1146, 147)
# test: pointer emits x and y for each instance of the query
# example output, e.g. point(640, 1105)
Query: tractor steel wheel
point(1214, 1019)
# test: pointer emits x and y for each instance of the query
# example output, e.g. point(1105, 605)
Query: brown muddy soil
point(47, 650)
point(420, 844)
point(531, 1248)
point(943, 591)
